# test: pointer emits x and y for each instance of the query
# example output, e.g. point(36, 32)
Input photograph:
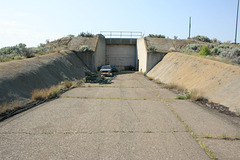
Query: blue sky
point(33, 21)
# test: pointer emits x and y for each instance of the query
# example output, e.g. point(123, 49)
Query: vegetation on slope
point(224, 52)
point(41, 94)
point(21, 51)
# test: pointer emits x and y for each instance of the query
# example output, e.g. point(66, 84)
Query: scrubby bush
point(224, 46)
point(40, 49)
point(223, 53)
point(86, 34)
point(70, 35)
point(215, 51)
point(234, 53)
point(236, 60)
point(202, 38)
point(85, 49)
point(18, 49)
point(193, 48)
point(42, 45)
point(156, 36)
point(215, 40)
point(175, 37)
point(231, 53)
point(28, 54)
point(152, 49)
point(205, 51)
point(6, 58)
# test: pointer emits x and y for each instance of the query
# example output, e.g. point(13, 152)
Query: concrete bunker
point(122, 53)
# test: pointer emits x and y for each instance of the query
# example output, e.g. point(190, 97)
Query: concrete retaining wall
point(142, 55)
point(153, 59)
point(147, 60)
point(219, 82)
point(19, 78)
point(99, 58)
point(97, 44)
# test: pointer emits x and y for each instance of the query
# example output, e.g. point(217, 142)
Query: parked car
point(114, 69)
point(106, 70)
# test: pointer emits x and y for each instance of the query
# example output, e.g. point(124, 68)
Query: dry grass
point(150, 78)
point(47, 93)
point(193, 94)
point(238, 111)
point(158, 82)
point(181, 89)
point(170, 86)
point(67, 84)
point(196, 95)
point(175, 86)
point(9, 106)
point(52, 92)
point(42, 94)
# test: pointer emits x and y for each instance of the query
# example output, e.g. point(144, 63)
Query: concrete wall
point(142, 55)
point(153, 59)
point(119, 41)
point(91, 60)
point(121, 55)
point(100, 52)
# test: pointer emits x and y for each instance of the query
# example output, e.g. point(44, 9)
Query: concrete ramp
point(219, 82)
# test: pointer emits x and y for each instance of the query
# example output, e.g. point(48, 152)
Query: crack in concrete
point(107, 98)
point(93, 132)
point(227, 138)
point(111, 87)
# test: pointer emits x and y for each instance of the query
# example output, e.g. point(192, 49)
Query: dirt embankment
point(163, 45)
point(19, 78)
point(218, 82)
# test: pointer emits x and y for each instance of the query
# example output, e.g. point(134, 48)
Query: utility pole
point(189, 34)
point(236, 23)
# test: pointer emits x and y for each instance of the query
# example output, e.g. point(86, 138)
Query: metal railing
point(121, 34)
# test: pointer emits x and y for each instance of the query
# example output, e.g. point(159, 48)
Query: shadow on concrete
point(124, 72)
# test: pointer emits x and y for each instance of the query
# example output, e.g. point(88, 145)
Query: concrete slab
point(95, 115)
point(224, 149)
point(111, 93)
point(205, 122)
point(101, 146)
point(113, 125)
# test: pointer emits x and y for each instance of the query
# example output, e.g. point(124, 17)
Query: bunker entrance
point(123, 56)
point(121, 49)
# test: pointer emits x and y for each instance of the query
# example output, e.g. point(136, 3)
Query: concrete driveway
point(132, 118)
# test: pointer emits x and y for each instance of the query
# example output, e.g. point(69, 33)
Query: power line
point(236, 23)
point(189, 32)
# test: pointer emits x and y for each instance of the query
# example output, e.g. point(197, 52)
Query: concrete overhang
point(121, 41)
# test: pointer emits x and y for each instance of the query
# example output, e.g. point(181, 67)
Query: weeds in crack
point(148, 131)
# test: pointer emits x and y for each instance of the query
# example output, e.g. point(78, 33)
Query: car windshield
point(106, 67)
